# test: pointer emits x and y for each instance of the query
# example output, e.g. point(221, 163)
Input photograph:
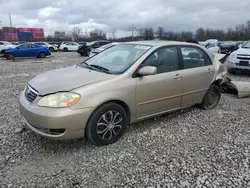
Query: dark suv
point(84, 50)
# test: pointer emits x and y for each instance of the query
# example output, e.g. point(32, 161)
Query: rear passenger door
point(198, 74)
point(34, 50)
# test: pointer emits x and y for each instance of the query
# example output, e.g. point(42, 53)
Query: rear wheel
point(65, 49)
point(42, 55)
point(10, 56)
point(51, 49)
point(107, 124)
point(211, 98)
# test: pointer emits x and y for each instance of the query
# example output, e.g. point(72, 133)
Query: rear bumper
point(55, 123)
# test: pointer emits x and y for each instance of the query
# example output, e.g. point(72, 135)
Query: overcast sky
point(176, 15)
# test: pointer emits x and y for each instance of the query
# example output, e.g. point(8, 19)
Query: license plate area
point(243, 63)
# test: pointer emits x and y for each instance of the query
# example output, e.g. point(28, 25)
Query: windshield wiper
point(85, 65)
point(100, 68)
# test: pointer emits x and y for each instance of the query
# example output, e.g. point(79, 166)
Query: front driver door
point(23, 50)
point(162, 92)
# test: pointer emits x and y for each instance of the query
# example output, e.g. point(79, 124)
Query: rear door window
point(194, 57)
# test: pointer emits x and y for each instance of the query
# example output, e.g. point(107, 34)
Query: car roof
point(158, 43)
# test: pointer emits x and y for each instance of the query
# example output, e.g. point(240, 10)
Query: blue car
point(27, 50)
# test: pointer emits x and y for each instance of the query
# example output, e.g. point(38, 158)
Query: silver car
point(124, 84)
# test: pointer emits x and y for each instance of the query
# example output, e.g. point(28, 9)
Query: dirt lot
point(188, 148)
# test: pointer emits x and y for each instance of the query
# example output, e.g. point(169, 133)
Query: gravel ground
point(188, 148)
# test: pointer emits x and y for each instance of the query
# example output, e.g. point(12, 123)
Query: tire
point(107, 124)
point(42, 55)
point(10, 56)
point(211, 98)
point(231, 71)
point(87, 53)
point(65, 49)
point(51, 49)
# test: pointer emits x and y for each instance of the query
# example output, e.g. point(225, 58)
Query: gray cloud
point(175, 15)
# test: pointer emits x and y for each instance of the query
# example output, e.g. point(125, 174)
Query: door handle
point(210, 71)
point(177, 77)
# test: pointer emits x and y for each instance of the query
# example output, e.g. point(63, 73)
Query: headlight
point(233, 55)
point(59, 100)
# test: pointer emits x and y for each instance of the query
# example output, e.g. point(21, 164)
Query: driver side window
point(164, 59)
point(24, 46)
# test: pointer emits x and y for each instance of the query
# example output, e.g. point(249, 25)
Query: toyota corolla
point(129, 82)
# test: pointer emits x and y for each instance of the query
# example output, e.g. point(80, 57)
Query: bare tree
point(141, 33)
point(76, 33)
point(149, 33)
point(160, 32)
point(97, 34)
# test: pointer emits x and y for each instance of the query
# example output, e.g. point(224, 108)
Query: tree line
point(238, 33)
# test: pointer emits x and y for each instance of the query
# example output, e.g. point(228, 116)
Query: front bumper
point(55, 123)
point(234, 65)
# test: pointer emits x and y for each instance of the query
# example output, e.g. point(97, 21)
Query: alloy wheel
point(212, 98)
point(109, 125)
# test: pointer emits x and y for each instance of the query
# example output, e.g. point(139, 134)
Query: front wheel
point(107, 124)
point(65, 49)
point(42, 55)
point(211, 98)
point(10, 56)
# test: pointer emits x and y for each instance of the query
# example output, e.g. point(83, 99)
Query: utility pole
point(132, 29)
point(10, 27)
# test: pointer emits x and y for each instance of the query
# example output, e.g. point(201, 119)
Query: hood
point(12, 46)
point(243, 51)
point(66, 79)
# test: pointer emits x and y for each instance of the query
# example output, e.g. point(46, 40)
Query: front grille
point(30, 94)
point(244, 58)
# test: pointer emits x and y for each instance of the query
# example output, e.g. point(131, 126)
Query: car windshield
point(118, 58)
point(247, 45)
point(228, 43)
point(8, 43)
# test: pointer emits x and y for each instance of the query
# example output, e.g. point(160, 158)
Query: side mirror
point(148, 70)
